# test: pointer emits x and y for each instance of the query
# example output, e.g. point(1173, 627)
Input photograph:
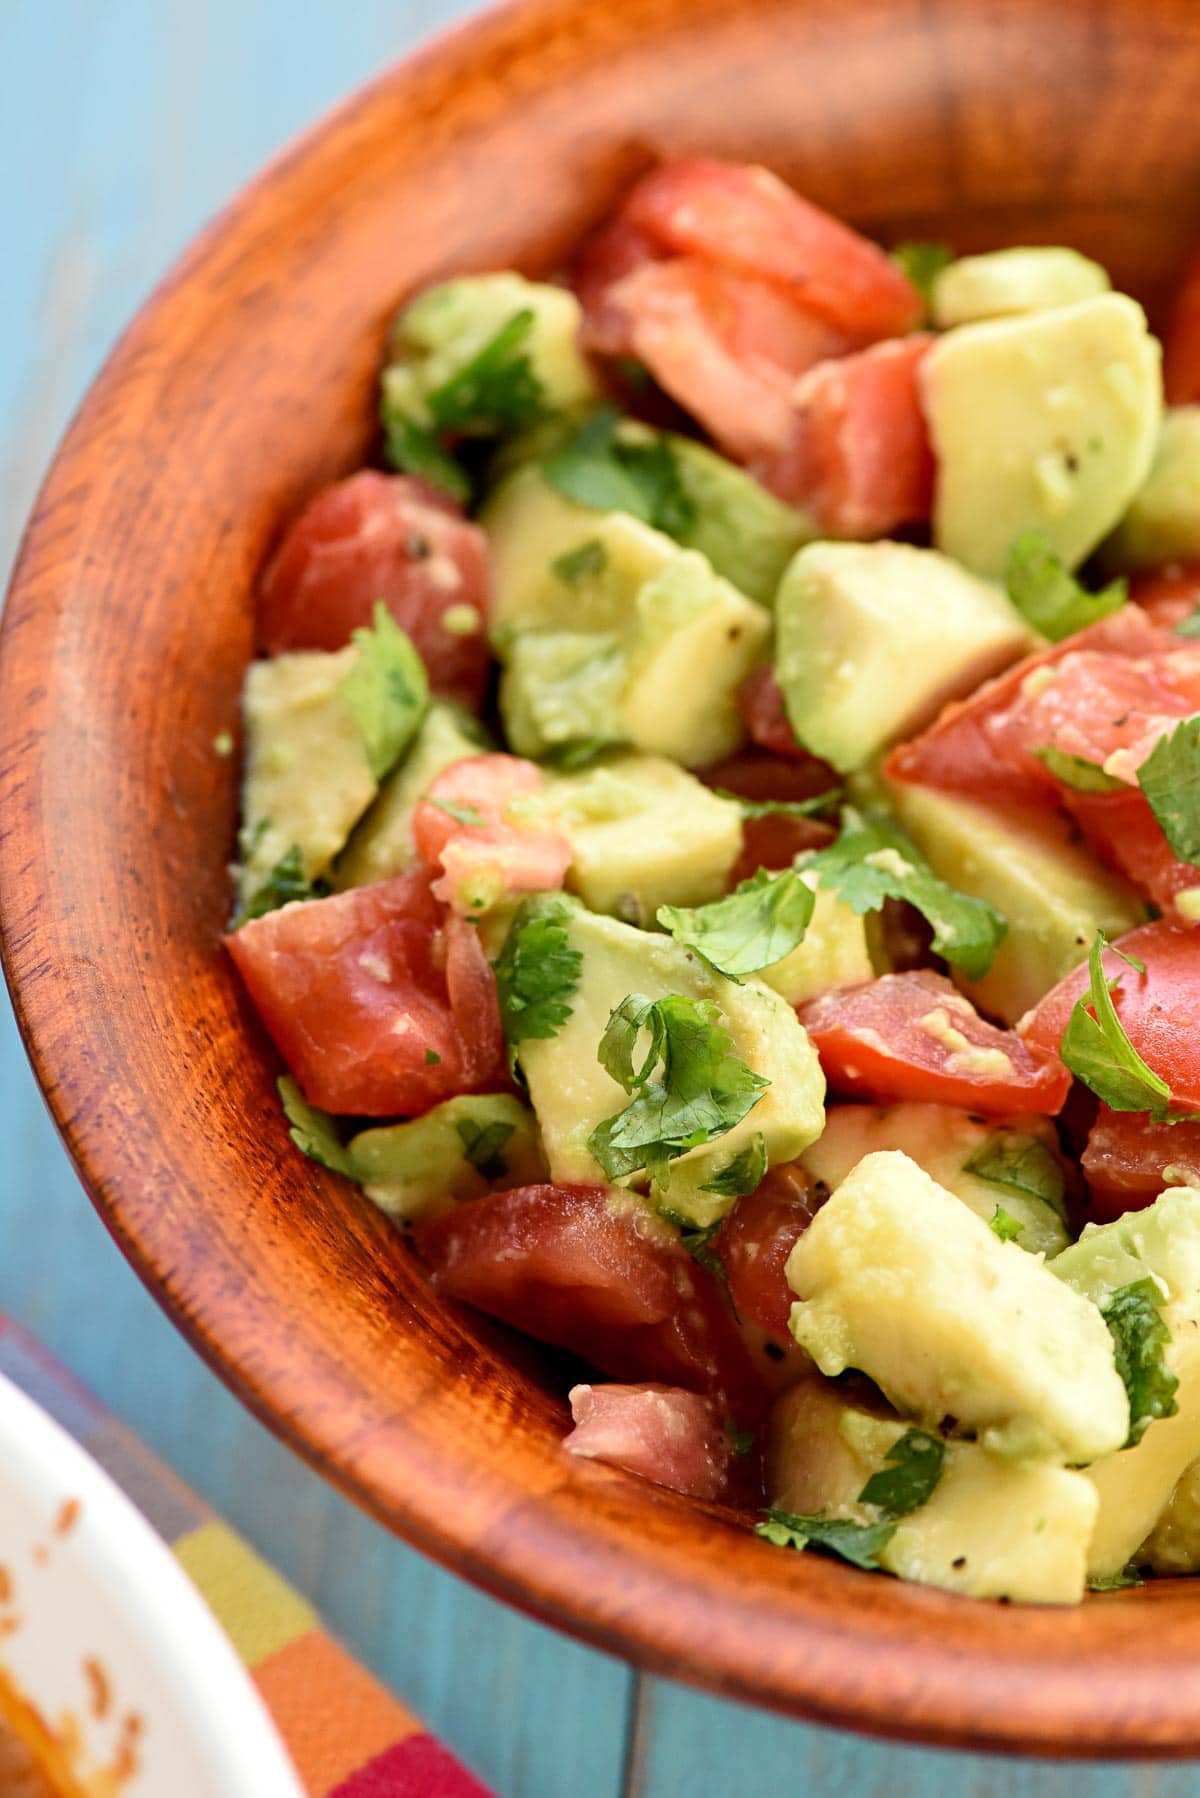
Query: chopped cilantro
point(697, 1239)
point(815, 807)
point(744, 1173)
point(537, 974)
point(285, 883)
point(1003, 1224)
point(704, 1089)
point(859, 1543)
point(1139, 1338)
point(432, 1058)
point(1098, 1052)
point(1048, 597)
point(911, 1470)
point(311, 1130)
point(598, 470)
point(387, 690)
point(577, 753)
point(223, 743)
point(462, 814)
point(759, 923)
point(873, 861)
point(923, 263)
point(483, 1145)
point(740, 1441)
point(1076, 772)
point(584, 563)
point(1020, 1162)
point(1189, 626)
point(1170, 779)
point(414, 449)
point(1116, 1582)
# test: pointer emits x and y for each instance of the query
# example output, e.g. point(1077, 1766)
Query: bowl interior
point(244, 385)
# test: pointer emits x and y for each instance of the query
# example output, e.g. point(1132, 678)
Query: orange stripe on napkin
point(333, 1716)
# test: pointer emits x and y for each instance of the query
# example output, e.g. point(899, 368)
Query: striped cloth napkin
point(347, 1736)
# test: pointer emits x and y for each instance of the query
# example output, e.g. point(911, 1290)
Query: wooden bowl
point(244, 384)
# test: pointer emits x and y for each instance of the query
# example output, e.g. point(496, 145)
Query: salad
point(720, 863)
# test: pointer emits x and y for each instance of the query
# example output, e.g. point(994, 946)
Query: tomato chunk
point(476, 824)
point(755, 1241)
point(391, 538)
point(610, 254)
point(1121, 827)
point(914, 1036)
point(1181, 343)
point(858, 456)
point(747, 218)
point(670, 1436)
point(1168, 596)
point(592, 1269)
point(1127, 1158)
point(1159, 1010)
point(380, 1006)
point(763, 710)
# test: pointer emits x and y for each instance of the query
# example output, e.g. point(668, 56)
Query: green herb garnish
point(1170, 779)
point(598, 470)
point(923, 263)
point(1133, 1316)
point(1051, 599)
point(911, 1470)
point(483, 1145)
point(763, 920)
point(1098, 1051)
point(537, 973)
point(584, 563)
point(1021, 1163)
point(286, 882)
point(816, 807)
point(387, 690)
point(313, 1131)
point(745, 1173)
point(1003, 1224)
point(1076, 772)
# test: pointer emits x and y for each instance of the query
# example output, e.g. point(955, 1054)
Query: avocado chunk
point(991, 1528)
point(1173, 1545)
point(872, 638)
point(571, 1093)
point(437, 334)
point(1004, 282)
point(308, 778)
point(951, 1145)
point(1043, 422)
point(836, 950)
point(1163, 520)
point(1051, 891)
point(1162, 1244)
point(610, 632)
point(644, 833)
point(455, 1152)
point(896, 1277)
point(382, 845)
point(747, 534)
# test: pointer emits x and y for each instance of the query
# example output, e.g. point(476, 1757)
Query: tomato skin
point(610, 254)
point(872, 1043)
point(755, 1241)
point(663, 1433)
point(858, 455)
point(1121, 827)
point(1126, 1155)
point(1159, 1010)
point(763, 710)
point(1181, 342)
point(1169, 595)
point(382, 537)
point(591, 1269)
point(497, 850)
point(358, 989)
point(747, 218)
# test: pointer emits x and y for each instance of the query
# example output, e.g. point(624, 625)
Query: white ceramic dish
point(106, 1626)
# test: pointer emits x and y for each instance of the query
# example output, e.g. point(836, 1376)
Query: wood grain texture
point(244, 386)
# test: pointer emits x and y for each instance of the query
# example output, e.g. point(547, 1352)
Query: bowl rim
point(555, 1560)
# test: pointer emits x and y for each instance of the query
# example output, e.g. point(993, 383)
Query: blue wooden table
point(125, 124)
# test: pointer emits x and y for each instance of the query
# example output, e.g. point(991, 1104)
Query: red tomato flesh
point(1127, 1156)
point(667, 1435)
point(379, 1005)
point(1181, 343)
point(391, 538)
point(763, 710)
point(914, 1036)
point(755, 1241)
point(471, 827)
point(1121, 827)
point(1169, 595)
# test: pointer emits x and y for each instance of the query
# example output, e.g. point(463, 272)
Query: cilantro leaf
point(537, 973)
point(698, 1241)
point(598, 470)
point(705, 1088)
point(387, 690)
point(1098, 1052)
point(1170, 779)
point(581, 564)
point(912, 1468)
point(285, 882)
point(1004, 1225)
point(1189, 626)
point(744, 1173)
point(462, 814)
point(873, 861)
point(414, 449)
point(311, 1130)
point(1049, 598)
point(815, 807)
point(754, 927)
point(859, 1543)
point(923, 263)
point(496, 391)
point(1116, 1582)
point(740, 1441)
point(1076, 772)
point(1022, 1163)
point(483, 1146)
point(1139, 1338)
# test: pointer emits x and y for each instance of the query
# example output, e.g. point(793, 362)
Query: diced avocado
point(1043, 422)
point(1051, 891)
point(945, 1142)
point(991, 1528)
point(1163, 520)
point(561, 689)
point(1160, 1243)
point(1173, 1545)
point(872, 638)
point(1003, 282)
point(422, 1168)
point(446, 327)
point(571, 1093)
point(644, 833)
point(308, 778)
point(382, 845)
point(835, 951)
point(899, 1279)
point(747, 534)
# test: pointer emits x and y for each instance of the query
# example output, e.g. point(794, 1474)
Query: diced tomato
point(914, 1036)
point(478, 826)
point(391, 538)
point(1127, 1158)
point(1121, 827)
point(1159, 1010)
point(606, 258)
point(752, 775)
point(1181, 343)
point(379, 1005)
point(670, 1436)
point(858, 456)
point(1168, 596)
point(755, 1241)
point(775, 842)
point(748, 219)
point(593, 1269)
point(763, 710)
